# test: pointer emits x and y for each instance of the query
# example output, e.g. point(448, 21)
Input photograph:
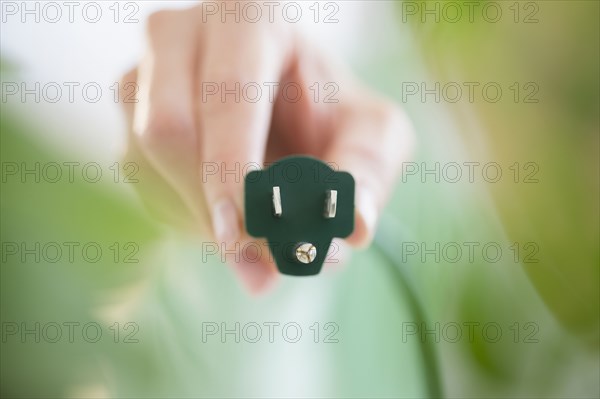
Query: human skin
point(175, 130)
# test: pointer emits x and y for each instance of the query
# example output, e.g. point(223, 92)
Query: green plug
point(299, 204)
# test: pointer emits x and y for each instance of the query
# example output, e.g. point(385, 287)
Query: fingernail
point(225, 221)
point(367, 209)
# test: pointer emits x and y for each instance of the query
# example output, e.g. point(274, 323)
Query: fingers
point(254, 270)
point(374, 137)
point(235, 124)
point(207, 99)
point(369, 136)
point(167, 119)
point(156, 194)
point(164, 120)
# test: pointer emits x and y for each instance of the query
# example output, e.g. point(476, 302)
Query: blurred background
point(483, 278)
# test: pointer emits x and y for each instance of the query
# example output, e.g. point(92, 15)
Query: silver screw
point(306, 252)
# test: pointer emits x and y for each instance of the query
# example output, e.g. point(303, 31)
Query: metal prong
point(330, 204)
point(277, 210)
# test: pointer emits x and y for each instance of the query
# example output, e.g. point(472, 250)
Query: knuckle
point(384, 113)
point(165, 126)
point(128, 77)
point(392, 120)
point(398, 133)
point(227, 96)
point(128, 86)
point(159, 20)
point(401, 127)
point(396, 116)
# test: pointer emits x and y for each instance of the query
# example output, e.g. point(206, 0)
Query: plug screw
point(306, 252)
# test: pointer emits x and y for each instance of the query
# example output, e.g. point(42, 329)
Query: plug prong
point(330, 204)
point(277, 210)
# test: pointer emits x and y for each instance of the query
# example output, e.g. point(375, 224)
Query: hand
point(178, 128)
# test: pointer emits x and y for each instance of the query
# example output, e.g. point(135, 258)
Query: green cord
point(428, 351)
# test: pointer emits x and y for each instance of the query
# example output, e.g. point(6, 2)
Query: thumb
point(372, 142)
